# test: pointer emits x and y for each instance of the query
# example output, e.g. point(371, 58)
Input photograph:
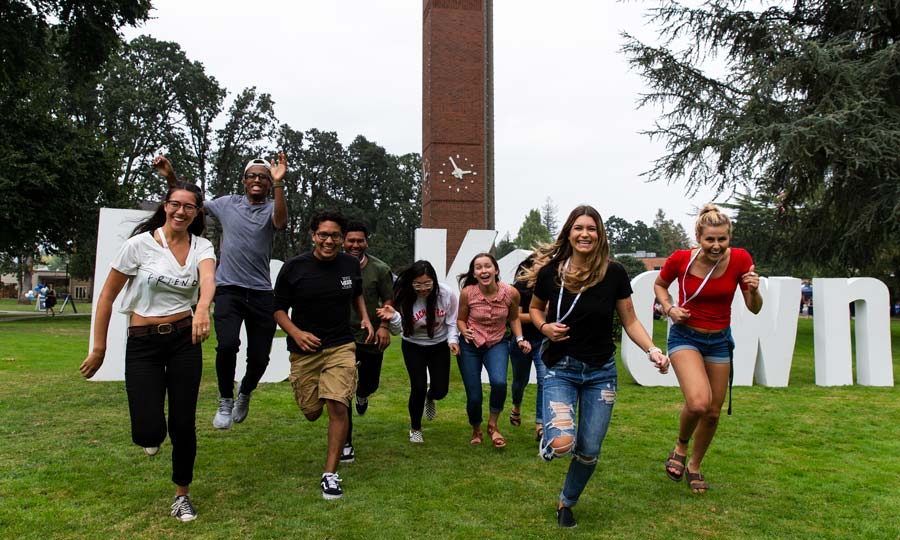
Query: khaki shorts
point(328, 374)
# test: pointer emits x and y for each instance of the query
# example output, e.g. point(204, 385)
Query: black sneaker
point(362, 405)
point(347, 455)
point(331, 486)
point(182, 509)
point(565, 518)
point(430, 409)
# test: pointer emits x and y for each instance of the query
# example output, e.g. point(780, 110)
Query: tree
point(632, 265)
point(548, 217)
point(671, 234)
point(625, 237)
point(806, 109)
point(504, 247)
point(532, 233)
point(54, 171)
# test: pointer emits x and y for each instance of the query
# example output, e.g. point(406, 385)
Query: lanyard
point(562, 285)
point(700, 288)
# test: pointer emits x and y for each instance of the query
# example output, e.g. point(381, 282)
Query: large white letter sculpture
point(831, 328)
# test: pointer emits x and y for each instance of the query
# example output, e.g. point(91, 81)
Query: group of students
point(338, 306)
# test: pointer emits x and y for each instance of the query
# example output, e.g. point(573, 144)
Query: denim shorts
point(715, 348)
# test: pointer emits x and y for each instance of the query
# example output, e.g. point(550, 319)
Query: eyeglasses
point(322, 236)
point(254, 176)
point(422, 285)
point(188, 208)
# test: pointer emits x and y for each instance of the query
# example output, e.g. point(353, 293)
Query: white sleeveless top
point(158, 286)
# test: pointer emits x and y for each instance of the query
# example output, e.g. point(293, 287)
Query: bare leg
point(706, 427)
point(337, 433)
point(694, 382)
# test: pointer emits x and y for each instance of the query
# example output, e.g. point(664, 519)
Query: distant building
point(649, 258)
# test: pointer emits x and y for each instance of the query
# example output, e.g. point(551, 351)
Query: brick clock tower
point(457, 118)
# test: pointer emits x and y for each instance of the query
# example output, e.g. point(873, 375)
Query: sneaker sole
point(331, 497)
point(342, 460)
point(151, 451)
point(185, 519)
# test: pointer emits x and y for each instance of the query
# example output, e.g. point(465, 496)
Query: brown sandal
point(496, 439)
point(696, 482)
point(676, 462)
point(477, 437)
point(515, 418)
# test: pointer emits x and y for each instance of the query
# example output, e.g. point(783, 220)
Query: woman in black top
point(576, 293)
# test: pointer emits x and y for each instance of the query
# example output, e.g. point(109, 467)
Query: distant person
point(320, 287)
point(378, 290)
point(577, 292)
point(700, 341)
point(522, 361)
point(243, 285)
point(161, 268)
point(425, 314)
point(50, 302)
point(486, 306)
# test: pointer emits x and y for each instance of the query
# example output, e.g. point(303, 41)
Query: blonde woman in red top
point(485, 307)
point(700, 343)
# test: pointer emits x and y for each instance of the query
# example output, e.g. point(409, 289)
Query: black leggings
point(421, 362)
point(368, 370)
point(155, 365)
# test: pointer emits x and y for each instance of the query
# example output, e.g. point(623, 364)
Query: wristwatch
point(519, 339)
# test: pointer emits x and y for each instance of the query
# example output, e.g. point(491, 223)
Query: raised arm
point(279, 215)
point(164, 168)
point(752, 299)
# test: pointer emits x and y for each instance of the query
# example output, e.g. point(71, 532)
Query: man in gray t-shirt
point(243, 287)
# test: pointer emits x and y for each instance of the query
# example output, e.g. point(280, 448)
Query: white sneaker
point(151, 450)
point(415, 436)
point(223, 418)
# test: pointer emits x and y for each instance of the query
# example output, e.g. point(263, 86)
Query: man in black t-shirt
point(319, 287)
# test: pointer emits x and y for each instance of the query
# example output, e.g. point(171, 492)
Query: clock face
point(457, 173)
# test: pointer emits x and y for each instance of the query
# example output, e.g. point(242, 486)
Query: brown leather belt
point(159, 329)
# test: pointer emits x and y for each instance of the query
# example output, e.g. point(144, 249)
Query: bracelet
point(652, 350)
point(278, 185)
point(670, 309)
point(519, 339)
point(541, 327)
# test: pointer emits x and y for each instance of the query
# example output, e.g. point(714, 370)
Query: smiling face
point(355, 244)
point(484, 271)
point(257, 182)
point(713, 242)
point(423, 285)
point(584, 236)
point(179, 219)
point(327, 239)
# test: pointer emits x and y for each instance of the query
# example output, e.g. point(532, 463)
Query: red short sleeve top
point(711, 309)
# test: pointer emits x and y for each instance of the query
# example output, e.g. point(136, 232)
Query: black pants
point(155, 365)
point(421, 362)
point(368, 370)
point(236, 305)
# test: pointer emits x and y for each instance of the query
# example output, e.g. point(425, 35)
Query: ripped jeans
point(571, 386)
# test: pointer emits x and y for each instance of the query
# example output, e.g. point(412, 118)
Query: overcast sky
point(566, 125)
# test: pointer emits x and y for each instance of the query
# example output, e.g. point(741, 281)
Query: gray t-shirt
point(247, 233)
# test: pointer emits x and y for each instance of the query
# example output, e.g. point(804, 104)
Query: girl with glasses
point(425, 314)
point(161, 267)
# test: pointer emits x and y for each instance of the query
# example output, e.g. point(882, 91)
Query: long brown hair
point(560, 250)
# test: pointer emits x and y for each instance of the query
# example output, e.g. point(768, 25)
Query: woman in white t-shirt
point(426, 315)
point(161, 268)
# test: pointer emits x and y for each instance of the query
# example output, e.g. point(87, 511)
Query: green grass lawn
point(796, 462)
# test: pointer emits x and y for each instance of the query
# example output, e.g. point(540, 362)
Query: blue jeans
point(494, 359)
point(521, 369)
point(571, 385)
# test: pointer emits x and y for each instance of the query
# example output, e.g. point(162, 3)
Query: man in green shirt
point(378, 290)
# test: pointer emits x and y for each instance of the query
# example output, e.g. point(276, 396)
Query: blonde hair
point(561, 249)
point(711, 216)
